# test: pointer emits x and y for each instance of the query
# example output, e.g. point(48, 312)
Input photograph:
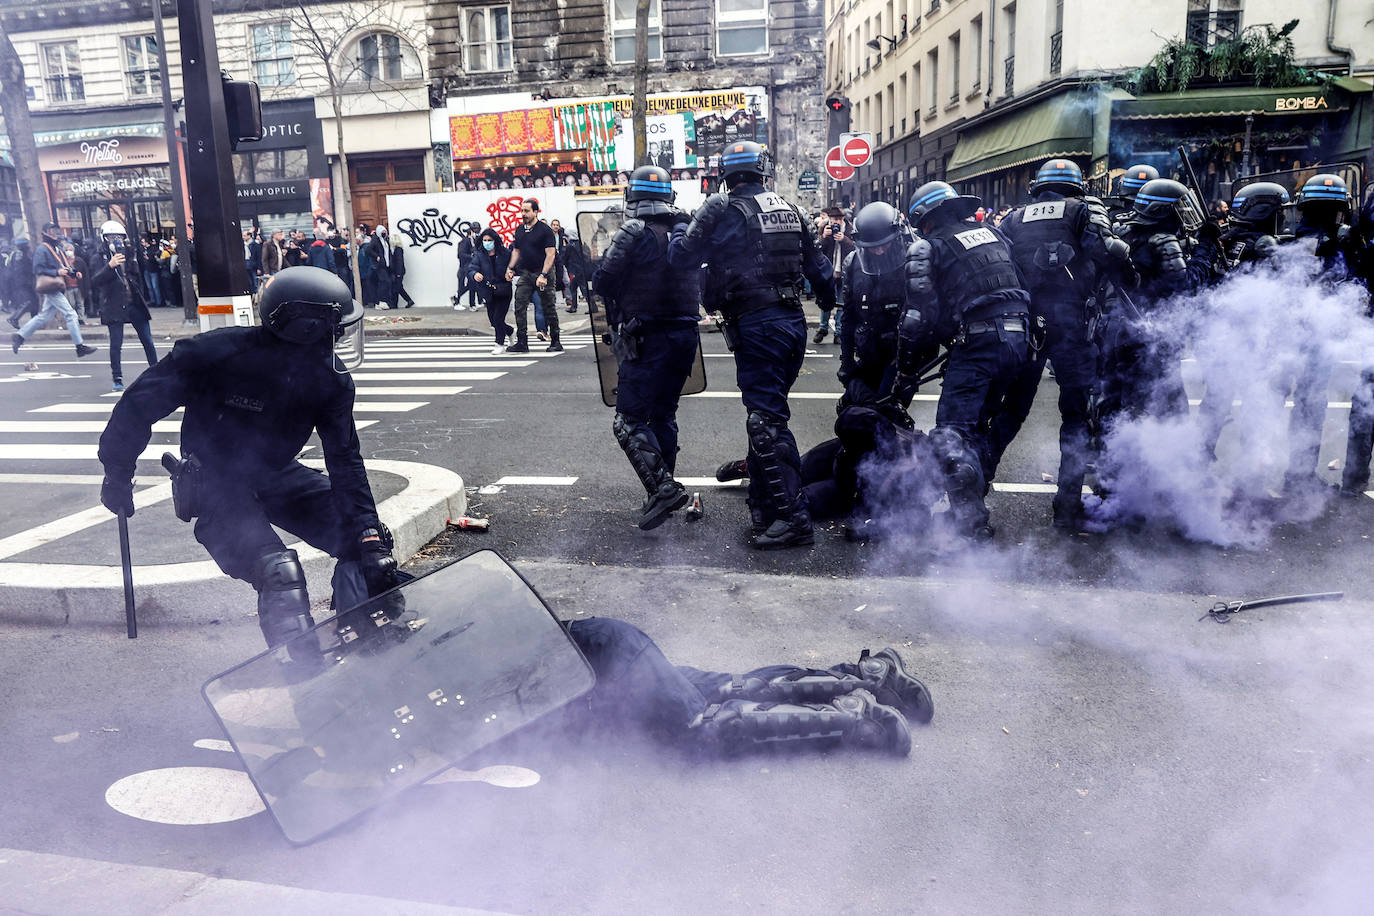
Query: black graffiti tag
point(432, 228)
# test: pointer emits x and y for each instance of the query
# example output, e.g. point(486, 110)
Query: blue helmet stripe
point(1156, 198)
point(1334, 193)
point(937, 194)
point(641, 184)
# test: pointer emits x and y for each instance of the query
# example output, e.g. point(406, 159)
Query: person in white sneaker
point(487, 270)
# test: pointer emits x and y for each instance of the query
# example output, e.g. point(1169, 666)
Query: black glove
point(375, 559)
point(1209, 231)
point(117, 495)
point(859, 394)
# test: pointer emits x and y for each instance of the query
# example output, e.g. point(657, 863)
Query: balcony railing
point(65, 88)
point(934, 7)
point(1056, 53)
point(1009, 74)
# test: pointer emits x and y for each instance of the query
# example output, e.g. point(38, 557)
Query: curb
point(197, 591)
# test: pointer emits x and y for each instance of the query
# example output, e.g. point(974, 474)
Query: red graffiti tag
point(505, 216)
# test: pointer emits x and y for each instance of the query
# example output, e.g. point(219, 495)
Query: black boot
point(783, 533)
point(665, 495)
point(83, 350)
point(284, 609)
point(554, 346)
point(856, 719)
point(791, 525)
point(732, 470)
point(887, 677)
point(521, 345)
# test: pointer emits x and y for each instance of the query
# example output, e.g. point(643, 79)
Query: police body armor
point(979, 265)
point(1045, 245)
point(656, 290)
point(1243, 245)
point(768, 272)
point(878, 303)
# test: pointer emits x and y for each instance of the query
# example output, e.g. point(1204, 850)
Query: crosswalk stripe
point(98, 426)
point(447, 362)
point(427, 376)
point(518, 481)
point(104, 407)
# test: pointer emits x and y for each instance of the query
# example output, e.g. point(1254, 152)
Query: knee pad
point(763, 429)
point(279, 571)
point(283, 603)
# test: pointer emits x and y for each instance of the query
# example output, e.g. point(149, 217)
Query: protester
point(489, 269)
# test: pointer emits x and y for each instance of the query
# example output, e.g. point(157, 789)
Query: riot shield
point(595, 225)
point(392, 692)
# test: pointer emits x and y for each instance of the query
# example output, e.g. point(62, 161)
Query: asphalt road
point(1096, 748)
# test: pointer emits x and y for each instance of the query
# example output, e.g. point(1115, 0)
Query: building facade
point(978, 92)
point(719, 70)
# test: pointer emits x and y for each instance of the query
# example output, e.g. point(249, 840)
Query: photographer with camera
point(836, 244)
point(118, 296)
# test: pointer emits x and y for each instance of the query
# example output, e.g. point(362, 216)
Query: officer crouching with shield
point(756, 247)
point(252, 398)
point(652, 309)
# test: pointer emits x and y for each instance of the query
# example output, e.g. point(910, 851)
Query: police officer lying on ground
point(253, 396)
point(756, 247)
point(652, 308)
point(1064, 247)
point(962, 288)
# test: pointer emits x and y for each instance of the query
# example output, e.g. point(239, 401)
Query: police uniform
point(757, 246)
point(252, 400)
point(872, 304)
point(963, 288)
point(1064, 247)
point(654, 308)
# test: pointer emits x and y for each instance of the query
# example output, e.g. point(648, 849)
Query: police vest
point(652, 289)
point(1045, 245)
point(771, 263)
point(976, 264)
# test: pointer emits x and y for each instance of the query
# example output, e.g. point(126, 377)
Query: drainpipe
point(1331, 36)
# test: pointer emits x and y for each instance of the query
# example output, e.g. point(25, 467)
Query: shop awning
point(1058, 126)
point(1240, 101)
point(43, 137)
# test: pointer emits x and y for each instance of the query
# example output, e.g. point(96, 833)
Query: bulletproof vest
point(652, 289)
point(975, 264)
point(770, 262)
point(1045, 245)
point(875, 304)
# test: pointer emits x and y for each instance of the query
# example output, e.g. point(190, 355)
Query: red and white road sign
point(856, 149)
point(836, 167)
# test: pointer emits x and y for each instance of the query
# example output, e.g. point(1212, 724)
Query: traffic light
point(836, 104)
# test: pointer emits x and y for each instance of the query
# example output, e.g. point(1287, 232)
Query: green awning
point(1239, 101)
point(58, 137)
point(1058, 126)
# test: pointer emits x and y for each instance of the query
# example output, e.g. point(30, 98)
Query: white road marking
point(75, 426)
point(794, 396)
point(185, 796)
point(214, 744)
point(104, 407)
point(536, 481)
point(732, 356)
point(431, 390)
point(427, 376)
point(448, 362)
point(708, 482)
point(71, 479)
point(79, 521)
point(1029, 488)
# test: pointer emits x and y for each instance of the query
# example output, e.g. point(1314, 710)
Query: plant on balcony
point(1261, 55)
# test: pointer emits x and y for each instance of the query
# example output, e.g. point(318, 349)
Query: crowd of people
point(380, 259)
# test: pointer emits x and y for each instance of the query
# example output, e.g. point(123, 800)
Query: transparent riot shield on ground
point(601, 227)
point(392, 692)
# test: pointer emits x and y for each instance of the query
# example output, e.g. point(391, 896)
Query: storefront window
point(408, 171)
point(370, 174)
point(270, 165)
point(487, 38)
point(623, 31)
point(141, 74)
point(741, 27)
point(62, 72)
point(274, 62)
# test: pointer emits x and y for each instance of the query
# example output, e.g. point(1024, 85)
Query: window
point(486, 38)
point(62, 72)
point(381, 57)
point(1211, 21)
point(1057, 40)
point(741, 27)
point(976, 38)
point(623, 31)
point(268, 166)
point(933, 80)
point(954, 60)
point(274, 62)
point(141, 75)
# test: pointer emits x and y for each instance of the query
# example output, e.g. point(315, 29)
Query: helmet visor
point(1189, 213)
point(877, 258)
point(348, 340)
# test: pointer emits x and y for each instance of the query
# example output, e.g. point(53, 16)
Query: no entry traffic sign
point(856, 149)
point(836, 167)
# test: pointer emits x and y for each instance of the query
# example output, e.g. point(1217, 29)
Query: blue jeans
point(153, 285)
point(52, 304)
point(145, 337)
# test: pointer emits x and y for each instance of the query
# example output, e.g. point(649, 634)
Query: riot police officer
point(962, 289)
point(874, 297)
point(756, 247)
point(1134, 178)
point(1358, 257)
point(1256, 218)
point(1064, 247)
point(253, 396)
point(653, 309)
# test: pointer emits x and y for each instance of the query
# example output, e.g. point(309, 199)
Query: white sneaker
point(498, 349)
point(475, 308)
point(383, 306)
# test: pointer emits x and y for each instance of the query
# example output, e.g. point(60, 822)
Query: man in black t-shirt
point(531, 270)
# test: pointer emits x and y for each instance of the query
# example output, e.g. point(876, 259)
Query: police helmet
point(1136, 177)
point(1161, 198)
point(650, 192)
point(1324, 190)
point(938, 195)
point(309, 305)
point(1259, 202)
point(1062, 176)
point(880, 237)
point(743, 159)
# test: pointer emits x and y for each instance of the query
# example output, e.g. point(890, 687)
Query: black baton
point(130, 621)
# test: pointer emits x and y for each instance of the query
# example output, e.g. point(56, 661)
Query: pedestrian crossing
point(399, 376)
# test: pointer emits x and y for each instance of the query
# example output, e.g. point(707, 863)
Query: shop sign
point(1301, 103)
point(102, 152)
point(276, 190)
point(112, 184)
point(527, 130)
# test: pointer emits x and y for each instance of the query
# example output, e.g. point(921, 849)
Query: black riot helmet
point(650, 192)
point(1324, 195)
point(881, 237)
point(1136, 177)
point(1259, 203)
point(1062, 176)
point(1162, 198)
point(939, 195)
point(744, 160)
point(309, 305)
